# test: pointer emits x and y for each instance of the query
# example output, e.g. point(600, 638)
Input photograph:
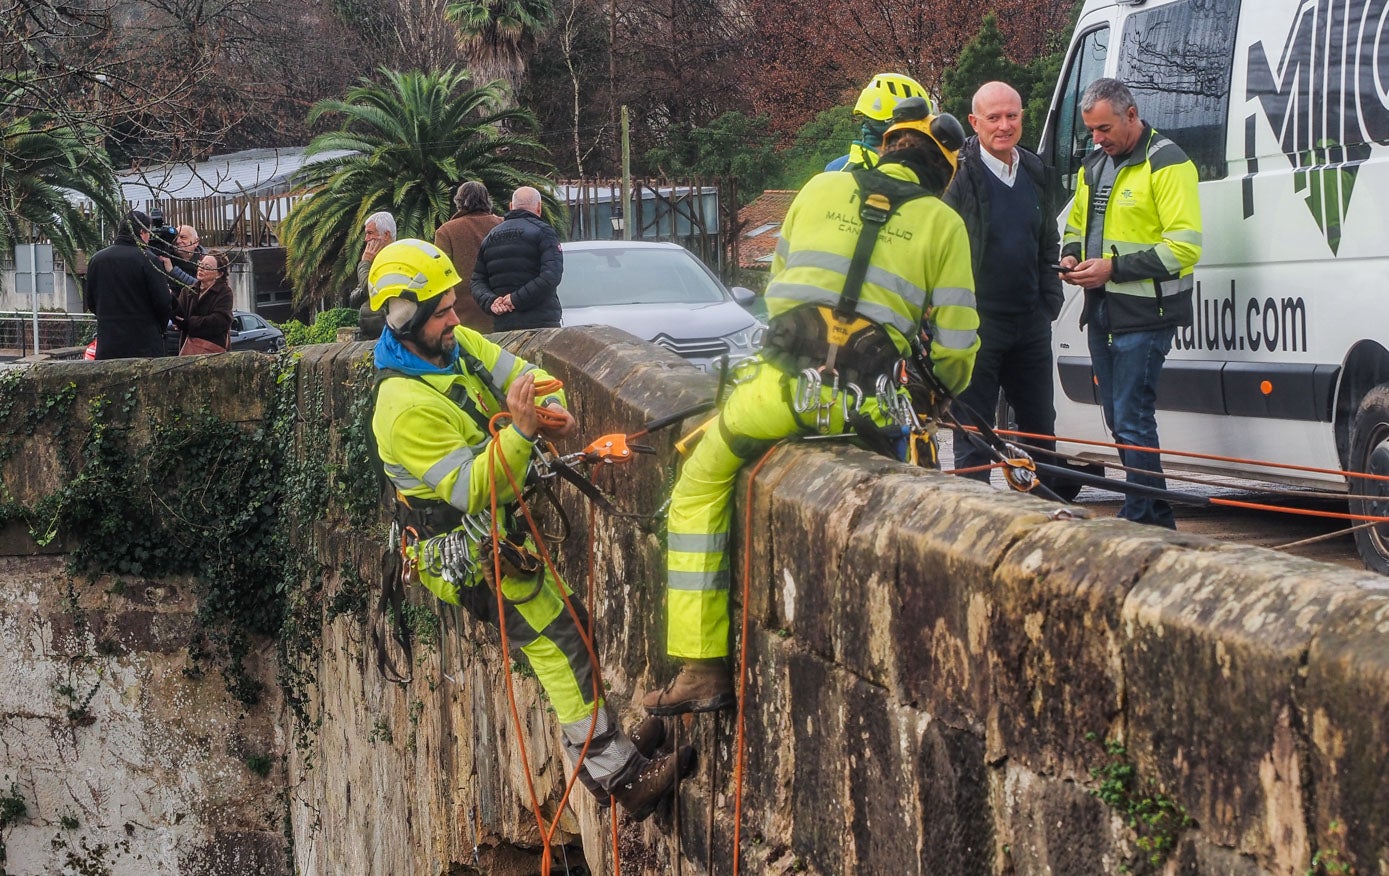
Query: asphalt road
point(1270, 529)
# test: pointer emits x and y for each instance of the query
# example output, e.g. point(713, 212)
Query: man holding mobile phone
point(1133, 238)
point(1001, 193)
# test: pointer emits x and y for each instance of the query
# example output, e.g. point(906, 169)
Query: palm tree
point(408, 143)
point(496, 36)
point(43, 161)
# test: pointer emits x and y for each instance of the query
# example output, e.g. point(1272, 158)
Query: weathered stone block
point(1344, 712)
point(1215, 648)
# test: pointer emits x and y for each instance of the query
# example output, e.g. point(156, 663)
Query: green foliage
point(496, 35)
point(324, 329)
point(823, 139)
point(12, 806)
point(983, 59)
point(69, 822)
point(423, 623)
point(259, 764)
point(42, 157)
point(732, 147)
point(409, 140)
point(1329, 861)
point(381, 732)
point(1156, 820)
point(358, 479)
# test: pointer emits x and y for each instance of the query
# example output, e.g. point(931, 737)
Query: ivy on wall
point(158, 493)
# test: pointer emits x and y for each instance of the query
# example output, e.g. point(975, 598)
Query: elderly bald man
point(518, 268)
point(1001, 193)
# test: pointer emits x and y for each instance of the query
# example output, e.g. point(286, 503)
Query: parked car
point(661, 293)
point(248, 332)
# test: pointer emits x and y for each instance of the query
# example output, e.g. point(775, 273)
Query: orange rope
point(1192, 455)
point(495, 455)
point(743, 665)
point(1230, 503)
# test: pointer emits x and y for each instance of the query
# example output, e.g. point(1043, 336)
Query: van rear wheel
point(1369, 454)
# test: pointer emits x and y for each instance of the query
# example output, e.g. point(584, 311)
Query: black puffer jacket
point(520, 258)
point(969, 195)
point(131, 300)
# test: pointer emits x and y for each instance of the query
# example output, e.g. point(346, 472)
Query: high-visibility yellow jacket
point(919, 268)
point(1152, 231)
point(433, 448)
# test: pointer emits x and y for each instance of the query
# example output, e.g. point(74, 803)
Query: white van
point(1284, 107)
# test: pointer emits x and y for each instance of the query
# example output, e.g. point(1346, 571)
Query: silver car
point(661, 293)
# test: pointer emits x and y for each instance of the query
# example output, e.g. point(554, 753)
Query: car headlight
point(746, 340)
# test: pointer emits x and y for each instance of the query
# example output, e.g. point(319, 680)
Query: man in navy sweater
point(518, 268)
point(1001, 193)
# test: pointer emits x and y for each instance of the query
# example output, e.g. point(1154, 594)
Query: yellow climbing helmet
point(404, 275)
point(415, 270)
point(883, 92)
point(914, 114)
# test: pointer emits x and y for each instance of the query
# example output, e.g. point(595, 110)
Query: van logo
point(1324, 102)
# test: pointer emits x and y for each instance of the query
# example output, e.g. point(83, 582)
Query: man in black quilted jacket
point(519, 267)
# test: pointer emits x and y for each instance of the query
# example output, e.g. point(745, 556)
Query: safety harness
point(835, 346)
point(441, 535)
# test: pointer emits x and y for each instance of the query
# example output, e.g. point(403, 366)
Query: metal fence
point(54, 330)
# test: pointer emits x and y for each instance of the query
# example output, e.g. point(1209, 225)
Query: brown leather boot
point(701, 686)
point(654, 781)
point(647, 736)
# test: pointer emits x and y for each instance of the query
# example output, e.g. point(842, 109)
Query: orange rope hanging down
point(497, 459)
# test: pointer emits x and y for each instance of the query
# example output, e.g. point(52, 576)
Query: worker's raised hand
point(520, 403)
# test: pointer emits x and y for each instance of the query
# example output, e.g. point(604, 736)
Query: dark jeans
point(1015, 356)
point(1127, 366)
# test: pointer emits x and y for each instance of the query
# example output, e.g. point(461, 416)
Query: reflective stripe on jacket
point(1153, 222)
point(920, 266)
point(432, 448)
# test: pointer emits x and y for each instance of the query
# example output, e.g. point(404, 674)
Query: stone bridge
point(940, 678)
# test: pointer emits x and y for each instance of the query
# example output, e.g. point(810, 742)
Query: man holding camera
point(128, 294)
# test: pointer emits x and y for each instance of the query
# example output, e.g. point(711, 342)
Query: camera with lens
point(163, 236)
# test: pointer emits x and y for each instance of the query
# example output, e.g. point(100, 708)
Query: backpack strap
point(880, 196)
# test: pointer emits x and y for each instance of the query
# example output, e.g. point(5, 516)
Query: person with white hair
point(380, 231)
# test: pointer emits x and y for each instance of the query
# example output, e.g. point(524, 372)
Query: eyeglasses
point(207, 267)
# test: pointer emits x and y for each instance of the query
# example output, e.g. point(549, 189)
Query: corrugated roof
point(251, 171)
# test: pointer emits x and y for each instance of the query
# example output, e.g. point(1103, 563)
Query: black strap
point(880, 196)
point(392, 602)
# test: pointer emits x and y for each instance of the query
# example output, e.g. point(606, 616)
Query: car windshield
point(635, 276)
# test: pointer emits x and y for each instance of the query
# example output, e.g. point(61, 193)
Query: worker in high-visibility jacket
point(1132, 241)
point(439, 383)
point(834, 332)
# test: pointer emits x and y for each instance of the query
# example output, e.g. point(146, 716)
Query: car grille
point(694, 349)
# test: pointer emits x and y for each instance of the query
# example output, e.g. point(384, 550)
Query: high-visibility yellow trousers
point(543, 630)
point(757, 414)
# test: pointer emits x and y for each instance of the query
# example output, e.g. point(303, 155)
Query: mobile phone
point(1060, 269)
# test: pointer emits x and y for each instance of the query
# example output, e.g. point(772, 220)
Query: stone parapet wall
point(941, 678)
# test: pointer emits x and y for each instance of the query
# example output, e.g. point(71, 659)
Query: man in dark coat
point(129, 294)
point(519, 268)
point(1001, 193)
point(460, 238)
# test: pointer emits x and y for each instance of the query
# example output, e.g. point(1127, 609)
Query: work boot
point(655, 780)
point(647, 736)
point(701, 686)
